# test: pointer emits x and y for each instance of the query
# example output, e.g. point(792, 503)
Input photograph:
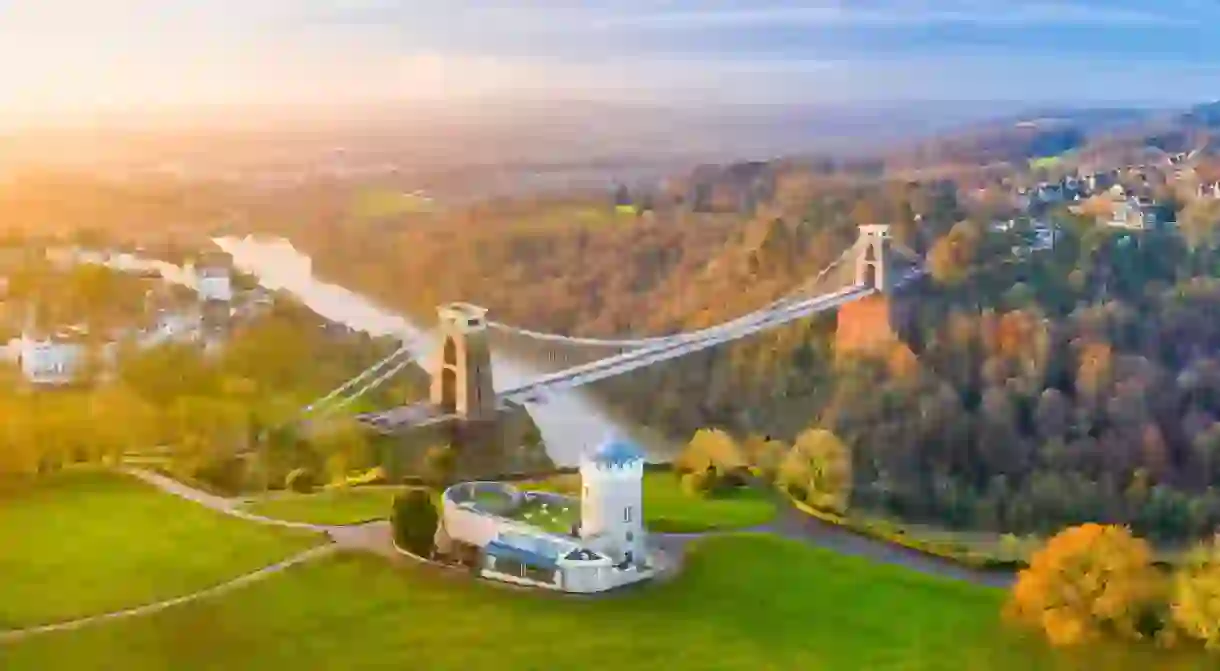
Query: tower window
point(627, 514)
point(586, 491)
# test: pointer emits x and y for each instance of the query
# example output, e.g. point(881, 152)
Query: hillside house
point(1138, 214)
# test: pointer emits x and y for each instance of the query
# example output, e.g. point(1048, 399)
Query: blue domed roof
point(616, 452)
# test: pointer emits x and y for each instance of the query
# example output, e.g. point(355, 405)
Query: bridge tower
point(873, 267)
point(870, 324)
point(461, 379)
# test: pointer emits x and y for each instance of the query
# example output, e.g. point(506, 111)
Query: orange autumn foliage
point(1087, 581)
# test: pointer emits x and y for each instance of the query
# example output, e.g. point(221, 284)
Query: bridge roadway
point(611, 366)
point(671, 348)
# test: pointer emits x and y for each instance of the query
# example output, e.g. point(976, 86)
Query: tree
point(343, 445)
point(819, 464)
point(440, 463)
point(710, 448)
point(414, 521)
point(1195, 604)
point(1087, 581)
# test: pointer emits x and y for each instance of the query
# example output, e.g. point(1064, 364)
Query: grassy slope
point(666, 508)
point(349, 505)
point(744, 602)
point(88, 542)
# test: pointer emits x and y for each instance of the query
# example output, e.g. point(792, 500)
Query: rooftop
point(616, 452)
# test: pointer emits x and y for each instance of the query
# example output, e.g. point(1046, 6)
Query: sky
point(64, 58)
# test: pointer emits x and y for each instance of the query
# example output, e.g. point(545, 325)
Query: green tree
point(414, 521)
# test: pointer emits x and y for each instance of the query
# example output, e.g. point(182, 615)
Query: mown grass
point(666, 507)
point(341, 505)
point(85, 542)
point(670, 510)
point(743, 602)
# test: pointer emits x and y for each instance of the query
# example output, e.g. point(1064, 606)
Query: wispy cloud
point(891, 13)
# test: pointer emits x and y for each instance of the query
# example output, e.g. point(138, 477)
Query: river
point(571, 423)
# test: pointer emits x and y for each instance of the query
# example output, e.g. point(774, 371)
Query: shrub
point(225, 475)
point(301, 480)
point(1087, 581)
point(414, 521)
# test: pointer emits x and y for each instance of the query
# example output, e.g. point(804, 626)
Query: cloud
point(887, 14)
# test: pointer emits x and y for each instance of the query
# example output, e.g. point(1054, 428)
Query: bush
point(414, 521)
point(301, 480)
point(226, 476)
point(1088, 581)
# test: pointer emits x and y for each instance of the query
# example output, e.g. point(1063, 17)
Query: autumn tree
point(440, 464)
point(1088, 581)
point(819, 467)
point(1195, 601)
point(710, 449)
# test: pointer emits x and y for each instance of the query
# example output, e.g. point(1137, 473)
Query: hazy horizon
point(67, 63)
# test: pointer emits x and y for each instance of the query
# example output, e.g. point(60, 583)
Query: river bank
point(571, 423)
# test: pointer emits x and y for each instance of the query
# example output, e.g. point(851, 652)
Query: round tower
point(612, 500)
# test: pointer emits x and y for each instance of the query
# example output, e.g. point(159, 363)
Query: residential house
point(1139, 214)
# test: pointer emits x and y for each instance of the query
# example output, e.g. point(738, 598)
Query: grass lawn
point(744, 602)
point(346, 505)
point(85, 542)
point(668, 509)
point(555, 518)
point(381, 203)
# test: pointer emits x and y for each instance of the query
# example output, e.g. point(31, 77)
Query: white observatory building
point(612, 501)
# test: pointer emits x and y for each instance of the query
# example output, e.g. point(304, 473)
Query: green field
point(744, 602)
point(382, 203)
point(668, 509)
point(553, 517)
point(88, 542)
point(341, 505)
point(1047, 162)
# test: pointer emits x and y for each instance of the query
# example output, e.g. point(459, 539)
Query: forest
point(1080, 383)
point(226, 421)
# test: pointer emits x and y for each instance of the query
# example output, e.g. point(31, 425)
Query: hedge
point(895, 535)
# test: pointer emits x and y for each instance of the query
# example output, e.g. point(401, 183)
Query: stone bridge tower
point(870, 325)
point(873, 257)
point(461, 376)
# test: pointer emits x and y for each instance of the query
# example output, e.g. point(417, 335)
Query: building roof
point(500, 549)
point(616, 452)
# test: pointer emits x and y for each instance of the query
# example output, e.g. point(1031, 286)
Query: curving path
point(367, 537)
point(148, 609)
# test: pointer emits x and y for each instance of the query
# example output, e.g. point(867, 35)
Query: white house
point(53, 360)
point(526, 538)
point(214, 284)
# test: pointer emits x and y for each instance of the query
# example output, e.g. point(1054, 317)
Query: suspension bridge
point(462, 384)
